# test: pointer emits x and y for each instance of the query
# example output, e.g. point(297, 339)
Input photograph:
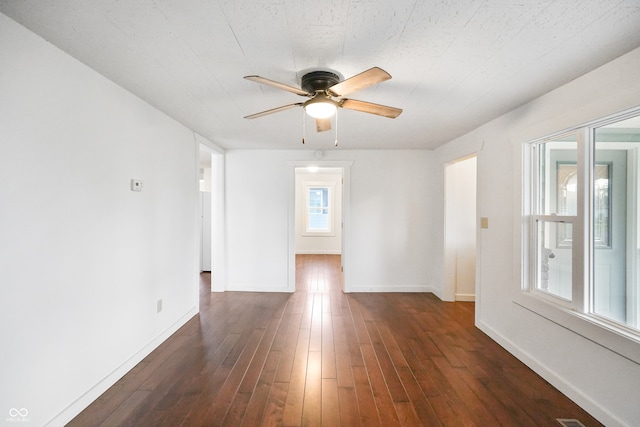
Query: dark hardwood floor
point(321, 357)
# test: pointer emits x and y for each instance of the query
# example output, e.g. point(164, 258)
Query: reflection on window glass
point(601, 206)
point(567, 195)
point(566, 199)
point(557, 176)
point(557, 200)
point(553, 264)
point(616, 229)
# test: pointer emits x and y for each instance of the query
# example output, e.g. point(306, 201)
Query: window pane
point(318, 209)
point(557, 178)
point(553, 260)
point(318, 197)
point(318, 221)
point(616, 230)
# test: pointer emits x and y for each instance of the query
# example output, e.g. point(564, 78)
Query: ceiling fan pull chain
point(304, 125)
point(336, 141)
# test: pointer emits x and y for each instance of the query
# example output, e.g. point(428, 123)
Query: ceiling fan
point(326, 94)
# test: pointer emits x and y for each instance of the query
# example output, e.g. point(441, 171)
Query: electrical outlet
point(159, 306)
point(136, 185)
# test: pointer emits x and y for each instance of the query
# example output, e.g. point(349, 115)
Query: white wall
point(320, 244)
point(388, 235)
point(84, 260)
point(600, 380)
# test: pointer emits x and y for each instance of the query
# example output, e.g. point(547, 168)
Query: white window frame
point(574, 315)
point(577, 223)
point(330, 207)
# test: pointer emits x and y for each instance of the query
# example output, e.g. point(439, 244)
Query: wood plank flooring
point(320, 357)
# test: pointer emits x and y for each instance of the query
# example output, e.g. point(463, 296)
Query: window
point(582, 228)
point(319, 210)
point(556, 215)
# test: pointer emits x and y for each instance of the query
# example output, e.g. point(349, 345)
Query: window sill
point(318, 234)
point(601, 332)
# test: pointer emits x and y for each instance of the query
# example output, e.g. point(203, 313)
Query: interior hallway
point(321, 357)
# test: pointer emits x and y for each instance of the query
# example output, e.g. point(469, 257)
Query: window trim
point(613, 337)
point(575, 316)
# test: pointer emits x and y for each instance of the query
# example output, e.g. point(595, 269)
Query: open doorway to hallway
point(318, 218)
point(205, 209)
point(212, 255)
point(460, 230)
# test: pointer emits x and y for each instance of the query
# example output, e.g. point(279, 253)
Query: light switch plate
point(484, 222)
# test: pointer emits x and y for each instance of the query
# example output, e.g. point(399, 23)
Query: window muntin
point(584, 229)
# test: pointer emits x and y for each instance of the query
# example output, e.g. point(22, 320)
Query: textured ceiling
point(456, 64)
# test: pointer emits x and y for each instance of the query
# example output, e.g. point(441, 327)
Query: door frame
point(345, 165)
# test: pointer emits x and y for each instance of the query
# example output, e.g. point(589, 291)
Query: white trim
point(317, 252)
point(255, 287)
point(218, 224)
point(633, 258)
point(210, 145)
point(465, 297)
point(391, 288)
point(609, 335)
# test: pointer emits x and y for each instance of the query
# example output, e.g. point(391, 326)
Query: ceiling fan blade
point(278, 85)
point(360, 81)
point(273, 110)
point(323, 125)
point(370, 107)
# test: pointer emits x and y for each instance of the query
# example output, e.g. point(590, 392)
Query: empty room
point(287, 213)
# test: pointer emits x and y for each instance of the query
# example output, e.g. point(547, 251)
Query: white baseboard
point(389, 288)
point(466, 297)
point(96, 391)
point(318, 252)
point(584, 401)
point(250, 287)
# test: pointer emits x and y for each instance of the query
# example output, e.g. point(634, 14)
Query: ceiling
point(456, 64)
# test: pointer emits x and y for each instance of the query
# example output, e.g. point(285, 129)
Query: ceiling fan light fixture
point(320, 108)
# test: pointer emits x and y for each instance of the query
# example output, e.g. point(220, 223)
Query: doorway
point(319, 202)
point(460, 230)
point(212, 256)
point(318, 211)
point(205, 210)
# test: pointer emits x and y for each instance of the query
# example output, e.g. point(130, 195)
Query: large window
point(582, 228)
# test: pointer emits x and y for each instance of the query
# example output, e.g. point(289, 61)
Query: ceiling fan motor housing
point(319, 81)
